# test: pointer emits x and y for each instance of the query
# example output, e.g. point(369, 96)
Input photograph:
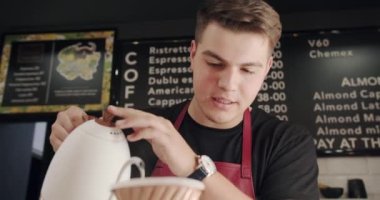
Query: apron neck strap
point(247, 146)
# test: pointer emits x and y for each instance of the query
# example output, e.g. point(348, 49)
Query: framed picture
point(47, 72)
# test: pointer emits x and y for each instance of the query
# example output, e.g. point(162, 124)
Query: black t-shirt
point(284, 158)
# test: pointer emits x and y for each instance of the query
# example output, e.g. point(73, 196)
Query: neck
point(195, 111)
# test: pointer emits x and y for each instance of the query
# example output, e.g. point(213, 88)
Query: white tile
point(374, 196)
point(335, 172)
point(322, 166)
point(333, 181)
point(372, 183)
point(374, 165)
point(347, 165)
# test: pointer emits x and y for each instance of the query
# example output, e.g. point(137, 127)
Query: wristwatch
point(206, 168)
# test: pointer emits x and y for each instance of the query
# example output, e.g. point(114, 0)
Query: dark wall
point(171, 18)
point(133, 19)
point(333, 19)
point(15, 155)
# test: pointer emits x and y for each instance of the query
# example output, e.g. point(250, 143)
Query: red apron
point(239, 174)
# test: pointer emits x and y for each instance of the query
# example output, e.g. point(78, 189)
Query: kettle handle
point(133, 161)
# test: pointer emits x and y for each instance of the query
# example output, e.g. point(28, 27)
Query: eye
point(214, 64)
point(249, 71)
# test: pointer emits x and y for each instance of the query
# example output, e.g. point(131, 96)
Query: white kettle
point(87, 164)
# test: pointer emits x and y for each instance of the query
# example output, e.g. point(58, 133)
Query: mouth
point(223, 101)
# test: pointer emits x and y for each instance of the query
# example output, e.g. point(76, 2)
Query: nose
point(228, 80)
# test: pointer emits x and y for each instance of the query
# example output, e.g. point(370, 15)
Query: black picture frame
point(45, 72)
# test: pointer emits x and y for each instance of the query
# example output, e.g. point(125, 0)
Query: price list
point(332, 87)
point(155, 73)
point(272, 96)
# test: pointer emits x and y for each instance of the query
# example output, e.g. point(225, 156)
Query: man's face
point(228, 71)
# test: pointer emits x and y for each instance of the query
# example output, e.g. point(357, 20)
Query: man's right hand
point(66, 121)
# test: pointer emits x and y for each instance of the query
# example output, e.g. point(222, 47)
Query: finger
point(76, 115)
point(126, 112)
point(56, 145)
point(117, 111)
point(57, 136)
point(133, 137)
point(136, 122)
point(59, 132)
point(64, 120)
point(55, 142)
point(152, 123)
point(130, 118)
point(71, 118)
point(145, 133)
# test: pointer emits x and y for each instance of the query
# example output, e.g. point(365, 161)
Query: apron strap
point(181, 116)
point(246, 170)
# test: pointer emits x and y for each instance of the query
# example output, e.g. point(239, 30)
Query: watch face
point(208, 164)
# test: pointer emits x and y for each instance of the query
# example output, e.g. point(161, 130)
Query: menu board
point(46, 72)
point(154, 73)
point(333, 87)
point(327, 81)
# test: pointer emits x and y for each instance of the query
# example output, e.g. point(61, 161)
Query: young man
point(256, 155)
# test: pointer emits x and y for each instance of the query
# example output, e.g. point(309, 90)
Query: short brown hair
point(240, 15)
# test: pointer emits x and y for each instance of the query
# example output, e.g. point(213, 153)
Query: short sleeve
point(287, 163)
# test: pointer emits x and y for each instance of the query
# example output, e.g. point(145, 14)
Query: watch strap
point(198, 174)
point(206, 167)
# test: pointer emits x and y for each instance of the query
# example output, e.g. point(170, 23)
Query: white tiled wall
point(335, 171)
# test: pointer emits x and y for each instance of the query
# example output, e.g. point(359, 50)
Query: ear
point(193, 50)
point(269, 64)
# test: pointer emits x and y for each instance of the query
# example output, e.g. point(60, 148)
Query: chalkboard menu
point(327, 81)
point(333, 87)
point(154, 73)
point(46, 72)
